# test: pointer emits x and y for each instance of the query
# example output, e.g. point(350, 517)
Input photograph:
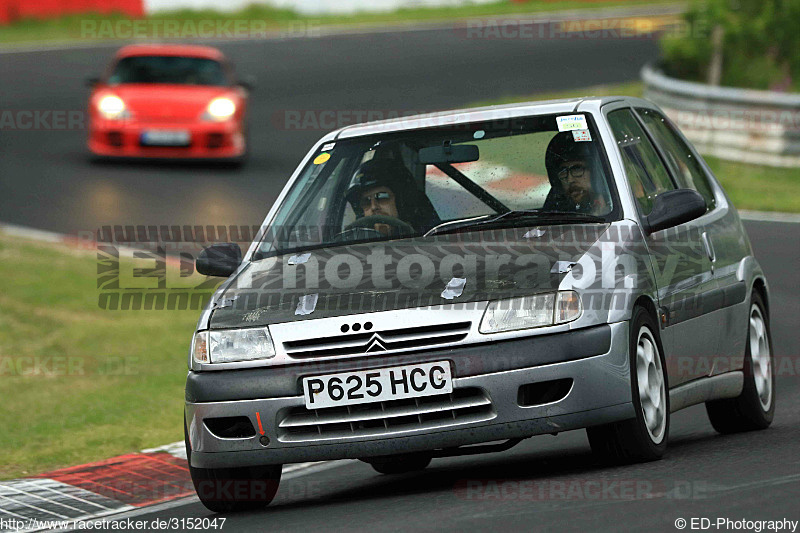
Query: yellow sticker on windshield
point(321, 158)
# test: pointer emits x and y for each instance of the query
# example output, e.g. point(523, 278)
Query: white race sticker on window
point(581, 136)
point(572, 122)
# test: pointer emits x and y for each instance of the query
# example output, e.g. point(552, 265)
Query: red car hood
point(168, 102)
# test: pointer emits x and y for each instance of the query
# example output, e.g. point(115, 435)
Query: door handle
point(709, 249)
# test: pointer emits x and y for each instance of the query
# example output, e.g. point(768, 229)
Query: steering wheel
point(366, 226)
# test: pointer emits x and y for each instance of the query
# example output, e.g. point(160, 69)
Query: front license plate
point(378, 385)
point(165, 138)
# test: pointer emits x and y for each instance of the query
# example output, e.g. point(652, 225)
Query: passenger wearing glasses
point(571, 167)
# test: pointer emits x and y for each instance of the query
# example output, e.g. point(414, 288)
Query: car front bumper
point(207, 140)
point(600, 393)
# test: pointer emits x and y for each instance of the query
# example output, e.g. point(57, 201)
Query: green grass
point(70, 28)
point(111, 381)
point(754, 187)
point(757, 187)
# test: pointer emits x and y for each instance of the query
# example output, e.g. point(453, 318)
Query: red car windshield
point(168, 69)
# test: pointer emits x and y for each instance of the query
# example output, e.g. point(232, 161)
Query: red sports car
point(168, 101)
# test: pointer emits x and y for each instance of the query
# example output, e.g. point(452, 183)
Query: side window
point(684, 165)
point(646, 173)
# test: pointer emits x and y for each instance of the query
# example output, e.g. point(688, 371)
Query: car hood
point(401, 274)
point(165, 102)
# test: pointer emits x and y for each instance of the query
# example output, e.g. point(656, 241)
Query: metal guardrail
point(761, 127)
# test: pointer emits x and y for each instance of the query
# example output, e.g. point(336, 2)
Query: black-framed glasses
point(576, 171)
point(380, 197)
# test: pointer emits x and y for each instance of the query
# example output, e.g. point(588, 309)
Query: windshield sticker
point(307, 304)
point(454, 288)
point(299, 259)
point(572, 122)
point(581, 136)
point(328, 147)
point(479, 134)
point(321, 158)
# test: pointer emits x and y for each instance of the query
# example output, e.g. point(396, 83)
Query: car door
point(724, 239)
point(681, 265)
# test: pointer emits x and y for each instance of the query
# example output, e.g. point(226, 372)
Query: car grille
point(378, 341)
point(462, 406)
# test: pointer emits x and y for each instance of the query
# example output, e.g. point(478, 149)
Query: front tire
point(643, 438)
point(227, 490)
point(754, 408)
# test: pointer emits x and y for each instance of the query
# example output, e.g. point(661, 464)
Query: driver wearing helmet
point(378, 200)
point(380, 196)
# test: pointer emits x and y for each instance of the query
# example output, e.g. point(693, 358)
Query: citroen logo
point(375, 345)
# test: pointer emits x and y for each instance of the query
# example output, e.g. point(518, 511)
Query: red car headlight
point(220, 109)
point(112, 107)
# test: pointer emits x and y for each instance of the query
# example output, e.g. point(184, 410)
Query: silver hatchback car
point(453, 283)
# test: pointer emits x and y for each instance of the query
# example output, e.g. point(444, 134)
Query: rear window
point(169, 70)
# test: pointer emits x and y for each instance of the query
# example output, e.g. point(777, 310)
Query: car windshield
point(462, 177)
point(168, 69)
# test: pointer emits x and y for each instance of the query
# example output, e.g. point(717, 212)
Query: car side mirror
point(672, 208)
point(92, 81)
point(248, 83)
point(219, 259)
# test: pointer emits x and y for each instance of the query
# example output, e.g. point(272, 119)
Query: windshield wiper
point(539, 215)
point(260, 254)
point(453, 225)
point(567, 216)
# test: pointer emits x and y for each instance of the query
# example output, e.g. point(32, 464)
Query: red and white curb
point(132, 482)
point(93, 490)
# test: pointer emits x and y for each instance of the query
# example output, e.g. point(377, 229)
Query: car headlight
point(112, 107)
point(531, 311)
point(232, 345)
point(220, 109)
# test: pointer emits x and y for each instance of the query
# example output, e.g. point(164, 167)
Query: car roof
point(475, 114)
point(184, 50)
